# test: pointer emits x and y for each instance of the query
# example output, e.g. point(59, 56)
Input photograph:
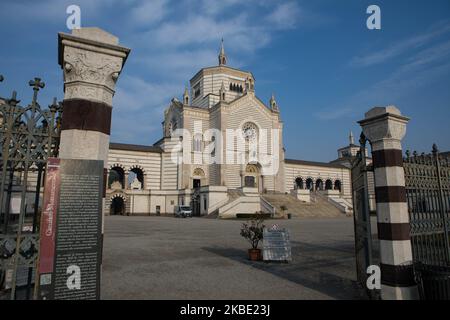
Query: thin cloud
point(401, 47)
point(421, 69)
point(139, 106)
point(182, 42)
point(170, 42)
point(149, 12)
point(285, 15)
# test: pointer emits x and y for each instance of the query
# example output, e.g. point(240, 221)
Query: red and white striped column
point(385, 127)
point(91, 60)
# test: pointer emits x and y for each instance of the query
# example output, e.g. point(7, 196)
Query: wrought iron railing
point(364, 256)
point(29, 135)
point(427, 181)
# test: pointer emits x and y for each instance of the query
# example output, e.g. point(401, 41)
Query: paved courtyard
point(170, 258)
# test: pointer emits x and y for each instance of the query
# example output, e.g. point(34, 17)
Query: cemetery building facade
point(146, 180)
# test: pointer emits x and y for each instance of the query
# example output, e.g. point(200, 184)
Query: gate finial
point(435, 149)
point(13, 101)
point(54, 106)
point(362, 139)
point(36, 84)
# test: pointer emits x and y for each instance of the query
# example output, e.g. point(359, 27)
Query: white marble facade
point(221, 98)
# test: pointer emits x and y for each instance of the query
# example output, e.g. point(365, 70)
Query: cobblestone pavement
point(174, 258)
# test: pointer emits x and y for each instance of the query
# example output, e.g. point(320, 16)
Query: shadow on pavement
point(316, 267)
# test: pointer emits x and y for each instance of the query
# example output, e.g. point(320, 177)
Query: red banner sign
point(48, 218)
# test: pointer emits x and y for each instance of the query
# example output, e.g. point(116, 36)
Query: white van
point(183, 212)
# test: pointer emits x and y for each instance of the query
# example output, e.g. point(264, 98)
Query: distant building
point(222, 98)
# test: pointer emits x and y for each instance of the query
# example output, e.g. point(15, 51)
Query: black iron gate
point(361, 216)
point(28, 136)
point(427, 181)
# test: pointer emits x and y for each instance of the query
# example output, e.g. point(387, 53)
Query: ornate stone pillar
point(385, 127)
point(91, 60)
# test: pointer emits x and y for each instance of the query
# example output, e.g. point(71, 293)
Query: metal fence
point(427, 182)
point(361, 215)
point(28, 136)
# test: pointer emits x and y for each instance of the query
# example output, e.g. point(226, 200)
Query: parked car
point(183, 212)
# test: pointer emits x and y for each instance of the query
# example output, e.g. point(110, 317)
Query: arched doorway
point(251, 178)
point(319, 184)
point(198, 175)
point(117, 207)
point(299, 183)
point(309, 184)
point(337, 185)
point(328, 185)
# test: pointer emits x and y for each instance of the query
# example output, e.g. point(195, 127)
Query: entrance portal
point(252, 177)
point(117, 207)
point(250, 182)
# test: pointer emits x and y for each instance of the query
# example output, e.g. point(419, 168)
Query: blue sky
point(324, 66)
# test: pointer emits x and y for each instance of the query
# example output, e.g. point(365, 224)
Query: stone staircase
point(233, 196)
point(319, 208)
point(246, 201)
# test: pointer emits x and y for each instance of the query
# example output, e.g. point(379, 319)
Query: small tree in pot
point(252, 230)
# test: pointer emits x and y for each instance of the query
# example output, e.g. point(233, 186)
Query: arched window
point(299, 183)
point(251, 168)
point(319, 184)
point(337, 185)
point(213, 151)
point(197, 143)
point(236, 88)
point(328, 185)
point(198, 172)
point(135, 176)
point(198, 175)
point(116, 178)
point(309, 184)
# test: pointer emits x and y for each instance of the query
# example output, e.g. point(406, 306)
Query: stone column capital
point(384, 127)
point(91, 60)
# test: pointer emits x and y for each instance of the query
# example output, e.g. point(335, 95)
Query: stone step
point(301, 209)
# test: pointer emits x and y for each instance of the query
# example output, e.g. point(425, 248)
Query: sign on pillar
point(91, 60)
point(71, 237)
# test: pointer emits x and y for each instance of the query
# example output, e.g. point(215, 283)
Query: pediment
point(249, 100)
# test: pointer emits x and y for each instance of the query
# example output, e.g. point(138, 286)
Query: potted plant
point(253, 231)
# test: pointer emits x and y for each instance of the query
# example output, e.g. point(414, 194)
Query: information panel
point(78, 247)
point(276, 245)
